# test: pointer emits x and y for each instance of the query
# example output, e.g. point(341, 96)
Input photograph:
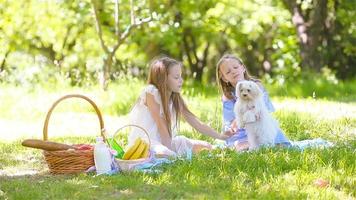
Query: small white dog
point(252, 114)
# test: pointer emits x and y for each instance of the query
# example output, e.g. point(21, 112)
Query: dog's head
point(248, 90)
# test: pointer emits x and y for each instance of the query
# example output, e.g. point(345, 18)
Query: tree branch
point(98, 28)
point(117, 19)
point(66, 37)
point(132, 12)
point(186, 46)
point(205, 55)
point(128, 31)
point(2, 66)
point(194, 47)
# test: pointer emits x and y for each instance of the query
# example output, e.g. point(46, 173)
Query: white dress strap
point(151, 89)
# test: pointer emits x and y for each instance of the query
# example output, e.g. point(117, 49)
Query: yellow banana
point(132, 149)
point(138, 151)
point(146, 151)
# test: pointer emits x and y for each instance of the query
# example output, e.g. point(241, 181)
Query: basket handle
point(45, 127)
point(137, 126)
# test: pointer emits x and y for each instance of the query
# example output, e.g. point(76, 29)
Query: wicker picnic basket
point(127, 165)
point(70, 161)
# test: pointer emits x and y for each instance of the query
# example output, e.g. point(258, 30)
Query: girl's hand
point(226, 134)
point(223, 137)
point(234, 125)
point(229, 132)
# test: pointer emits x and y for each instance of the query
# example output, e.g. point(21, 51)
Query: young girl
point(229, 71)
point(159, 108)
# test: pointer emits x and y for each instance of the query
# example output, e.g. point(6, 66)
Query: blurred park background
point(83, 43)
point(304, 51)
point(49, 48)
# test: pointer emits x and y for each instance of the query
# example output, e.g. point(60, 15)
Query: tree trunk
point(105, 75)
point(310, 33)
point(196, 64)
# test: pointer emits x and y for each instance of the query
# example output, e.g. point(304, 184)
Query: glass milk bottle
point(102, 157)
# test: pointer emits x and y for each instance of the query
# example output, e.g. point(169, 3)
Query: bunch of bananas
point(138, 150)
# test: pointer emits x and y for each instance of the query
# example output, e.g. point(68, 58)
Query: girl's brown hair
point(158, 76)
point(226, 87)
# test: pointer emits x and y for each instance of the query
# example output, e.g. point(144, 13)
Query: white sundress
point(140, 115)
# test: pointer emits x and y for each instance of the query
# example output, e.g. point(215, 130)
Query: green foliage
point(53, 38)
point(49, 40)
point(343, 40)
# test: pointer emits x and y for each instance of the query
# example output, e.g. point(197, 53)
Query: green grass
point(267, 174)
point(315, 86)
point(276, 173)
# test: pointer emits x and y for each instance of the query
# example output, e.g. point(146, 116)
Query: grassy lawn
point(276, 173)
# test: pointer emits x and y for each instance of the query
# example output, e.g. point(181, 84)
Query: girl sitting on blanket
point(229, 71)
point(159, 108)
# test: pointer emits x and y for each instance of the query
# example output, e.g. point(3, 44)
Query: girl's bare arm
point(201, 127)
point(162, 125)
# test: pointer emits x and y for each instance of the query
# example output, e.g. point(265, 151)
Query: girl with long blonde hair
point(159, 108)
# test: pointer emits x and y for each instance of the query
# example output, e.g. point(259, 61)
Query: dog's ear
point(256, 90)
point(239, 87)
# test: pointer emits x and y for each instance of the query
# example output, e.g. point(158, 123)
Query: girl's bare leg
point(241, 146)
point(199, 145)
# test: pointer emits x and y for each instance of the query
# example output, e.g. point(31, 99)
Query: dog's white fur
point(253, 115)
